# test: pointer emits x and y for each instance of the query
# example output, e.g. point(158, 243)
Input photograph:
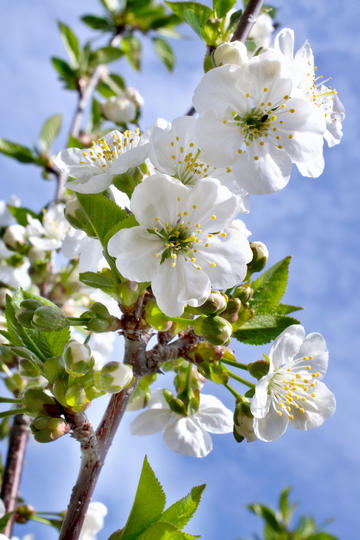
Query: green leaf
point(96, 116)
point(21, 213)
point(103, 280)
point(270, 287)
point(4, 520)
point(202, 12)
point(67, 74)
point(16, 151)
point(132, 49)
point(98, 23)
point(105, 55)
point(164, 52)
point(263, 328)
point(180, 513)
point(147, 508)
point(321, 536)
point(268, 515)
point(71, 44)
point(163, 531)
point(285, 507)
point(103, 214)
point(285, 309)
point(222, 7)
point(49, 131)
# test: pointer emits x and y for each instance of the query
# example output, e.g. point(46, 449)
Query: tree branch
point(18, 438)
point(247, 20)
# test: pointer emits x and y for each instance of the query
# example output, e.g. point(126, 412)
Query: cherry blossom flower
point(49, 234)
point(187, 435)
point(119, 109)
point(174, 152)
point(251, 121)
point(13, 273)
point(291, 393)
point(94, 521)
point(262, 30)
point(6, 217)
point(94, 168)
point(182, 245)
point(89, 250)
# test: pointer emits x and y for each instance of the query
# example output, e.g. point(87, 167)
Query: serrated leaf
point(20, 214)
point(104, 55)
point(263, 328)
point(222, 7)
point(202, 12)
point(103, 214)
point(180, 513)
point(16, 151)
point(98, 23)
point(163, 531)
point(270, 287)
point(164, 51)
point(71, 44)
point(285, 309)
point(49, 131)
point(148, 505)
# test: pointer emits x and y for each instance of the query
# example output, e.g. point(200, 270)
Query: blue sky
point(314, 220)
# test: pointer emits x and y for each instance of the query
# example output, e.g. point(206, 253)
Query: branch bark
point(247, 20)
point(19, 435)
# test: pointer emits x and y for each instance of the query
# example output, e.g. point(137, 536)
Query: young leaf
point(103, 280)
point(49, 131)
point(20, 214)
point(98, 23)
point(163, 531)
point(148, 505)
point(132, 49)
point(164, 52)
point(180, 513)
point(222, 7)
point(66, 72)
point(103, 214)
point(105, 55)
point(268, 515)
point(16, 151)
point(263, 328)
point(202, 12)
point(71, 44)
point(270, 287)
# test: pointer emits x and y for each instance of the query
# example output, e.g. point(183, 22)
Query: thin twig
point(247, 20)
point(85, 93)
point(18, 438)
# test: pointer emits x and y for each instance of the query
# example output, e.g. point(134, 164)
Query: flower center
point(176, 238)
point(102, 152)
point(255, 123)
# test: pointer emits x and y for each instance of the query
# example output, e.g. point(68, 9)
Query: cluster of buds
point(35, 314)
point(99, 319)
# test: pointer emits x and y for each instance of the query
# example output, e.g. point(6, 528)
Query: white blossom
point(119, 109)
point(14, 236)
point(6, 217)
point(291, 393)
point(174, 152)
point(182, 245)
point(94, 521)
point(262, 30)
point(250, 120)
point(89, 250)
point(49, 234)
point(187, 435)
point(93, 169)
point(134, 95)
point(13, 274)
point(233, 52)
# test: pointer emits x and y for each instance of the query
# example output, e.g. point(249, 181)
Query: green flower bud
point(28, 369)
point(47, 429)
point(216, 330)
point(100, 319)
point(129, 293)
point(75, 397)
point(243, 421)
point(49, 318)
point(244, 293)
point(259, 368)
point(156, 318)
point(25, 313)
point(37, 401)
point(216, 303)
point(174, 403)
point(54, 368)
point(23, 513)
point(232, 310)
point(260, 257)
point(114, 376)
point(78, 359)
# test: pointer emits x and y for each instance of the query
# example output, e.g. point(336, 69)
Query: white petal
point(284, 42)
point(272, 426)
point(134, 250)
point(317, 409)
point(150, 421)
point(314, 346)
point(186, 437)
point(218, 89)
point(213, 416)
point(312, 159)
point(286, 346)
point(68, 161)
point(260, 403)
point(94, 184)
point(131, 158)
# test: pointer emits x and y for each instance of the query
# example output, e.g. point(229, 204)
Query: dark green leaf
point(105, 55)
point(202, 12)
point(20, 214)
point(263, 328)
point(148, 505)
point(270, 287)
point(321, 536)
point(71, 44)
point(222, 7)
point(180, 513)
point(164, 52)
point(49, 131)
point(98, 23)
point(103, 214)
point(4, 521)
point(268, 515)
point(16, 151)
point(234, 20)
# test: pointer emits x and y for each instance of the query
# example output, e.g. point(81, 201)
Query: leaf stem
point(240, 379)
point(235, 364)
point(234, 392)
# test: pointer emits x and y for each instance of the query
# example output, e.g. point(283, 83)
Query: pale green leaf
point(180, 513)
point(16, 151)
point(222, 7)
point(49, 131)
point(105, 55)
point(165, 52)
point(71, 44)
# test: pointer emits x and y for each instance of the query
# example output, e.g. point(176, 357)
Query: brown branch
point(247, 20)
point(19, 435)
point(172, 351)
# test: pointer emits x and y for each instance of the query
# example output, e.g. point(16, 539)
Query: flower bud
point(23, 513)
point(36, 254)
point(3, 293)
point(114, 376)
point(175, 404)
point(244, 293)
point(128, 293)
point(260, 257)
point(156, 318)
point(100, 319)
point(75, 397)
point(26, 312)
point(15, 236)
point(78, 359)
point(216, 330)
point(234, 52)
point(49, 318)
point(259, 368)
point(37, 401)
point(54, 368)
point(134, 96)
point(119, 109)
point(232, 310)
point(243, 421)
point(46, 428)
point(216, 303)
